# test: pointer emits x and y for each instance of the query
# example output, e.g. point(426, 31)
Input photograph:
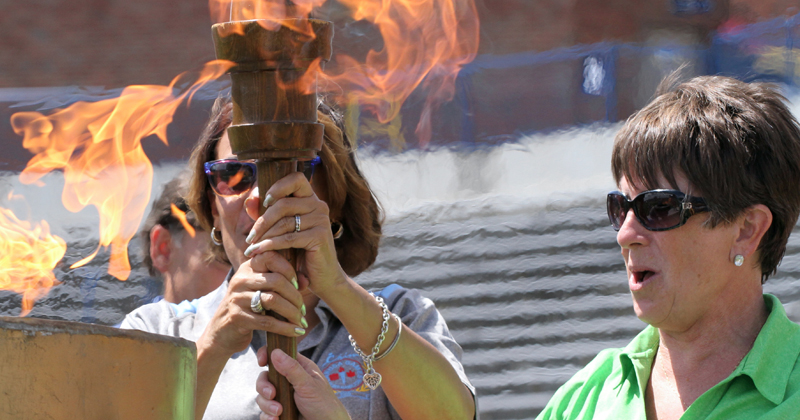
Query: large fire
point(98, 146)
point(28, 255)
point(425, 42)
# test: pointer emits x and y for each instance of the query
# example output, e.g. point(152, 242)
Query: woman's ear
point(160, 247)
point(753, 225)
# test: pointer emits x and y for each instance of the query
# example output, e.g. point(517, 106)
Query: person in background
point(177, 250)
point(709, 192)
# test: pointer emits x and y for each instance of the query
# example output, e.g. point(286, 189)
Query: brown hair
point(161, 214)
point(349, 197)
point(737, 144)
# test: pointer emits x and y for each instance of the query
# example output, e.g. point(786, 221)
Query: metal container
point(68, 370)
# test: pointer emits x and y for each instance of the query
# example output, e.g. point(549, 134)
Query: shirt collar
point(773, 356)
point(769, 363)
point(638, 357)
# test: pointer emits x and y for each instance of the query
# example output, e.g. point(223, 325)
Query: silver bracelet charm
point(372, 378)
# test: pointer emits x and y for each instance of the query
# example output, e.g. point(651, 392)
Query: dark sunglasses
point(233, 177)
point(656, 210)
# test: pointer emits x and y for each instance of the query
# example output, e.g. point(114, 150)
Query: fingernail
point(250, 249)
point(268, 201)
point(294, 282)
point(303, 322)
point(273, 410)
point(303, 309)
point(250, 236)
point(299, 331)
point(267, 393)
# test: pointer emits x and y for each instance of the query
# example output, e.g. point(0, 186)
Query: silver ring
point(255, 303)
point(297, 223)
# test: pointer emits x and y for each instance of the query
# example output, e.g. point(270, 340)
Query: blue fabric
point(388, 290)
point(185, 307)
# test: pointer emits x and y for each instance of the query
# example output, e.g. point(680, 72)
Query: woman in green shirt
point(709, 180)
point(709, 191)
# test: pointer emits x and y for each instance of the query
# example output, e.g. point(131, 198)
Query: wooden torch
point(275, 117)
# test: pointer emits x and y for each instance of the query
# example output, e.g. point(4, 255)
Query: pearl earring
point(738, 260)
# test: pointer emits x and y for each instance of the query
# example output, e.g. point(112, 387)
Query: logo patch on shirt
point(345, 375)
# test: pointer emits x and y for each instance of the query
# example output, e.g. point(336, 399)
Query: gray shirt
point(327, 344)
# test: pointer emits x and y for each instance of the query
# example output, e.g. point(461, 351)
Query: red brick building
point(115, 43)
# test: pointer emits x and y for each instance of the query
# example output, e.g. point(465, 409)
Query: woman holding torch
point(388, 355)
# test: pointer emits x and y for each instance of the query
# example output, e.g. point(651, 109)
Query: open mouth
point(642, 276)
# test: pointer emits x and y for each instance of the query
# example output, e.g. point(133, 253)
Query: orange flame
point(181, 216)
point(28, 254)
point(98, 146)
point(268, 11)
point(426, 42)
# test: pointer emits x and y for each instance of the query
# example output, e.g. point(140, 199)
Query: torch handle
point(269, 172)
point(275, 116)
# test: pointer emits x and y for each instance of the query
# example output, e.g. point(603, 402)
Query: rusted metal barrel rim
point(69, 370)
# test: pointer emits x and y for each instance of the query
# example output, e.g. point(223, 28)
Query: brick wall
point(110, 43)
point(115, 43)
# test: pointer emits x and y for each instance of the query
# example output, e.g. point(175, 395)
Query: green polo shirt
point(765, 385)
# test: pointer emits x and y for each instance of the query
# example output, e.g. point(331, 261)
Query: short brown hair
point(737, 144)
point(161, 214)
point(350, 200)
